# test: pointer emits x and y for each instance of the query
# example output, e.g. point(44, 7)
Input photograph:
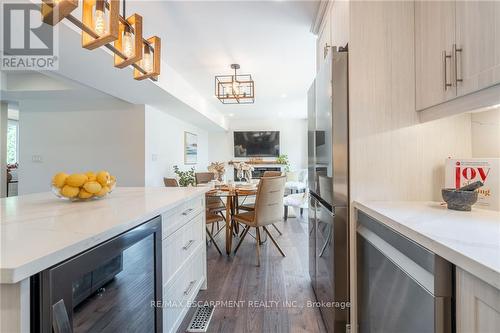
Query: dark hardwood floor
point(283, 284)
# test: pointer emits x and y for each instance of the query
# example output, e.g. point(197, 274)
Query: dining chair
point(268, 210)
point(214, 205)
point(210, 219)
point(170, 182)
point(204, 177)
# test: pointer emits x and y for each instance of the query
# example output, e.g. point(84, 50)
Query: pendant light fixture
point(102, 25)
point(150, 62)
point(236, 88)
point(129, 40)
point(53, 11)
point(102, 20)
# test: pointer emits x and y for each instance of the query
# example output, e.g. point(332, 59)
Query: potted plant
point(283, 160)
point(186, 178)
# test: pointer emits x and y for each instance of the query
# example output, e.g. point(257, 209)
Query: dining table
point(230, 196)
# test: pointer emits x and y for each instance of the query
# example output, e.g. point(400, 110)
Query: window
point(12, 141)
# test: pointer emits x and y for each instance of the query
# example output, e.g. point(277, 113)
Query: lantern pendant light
point(129, 41)
point(53, 11)
point(150, 62)
point(103, 19)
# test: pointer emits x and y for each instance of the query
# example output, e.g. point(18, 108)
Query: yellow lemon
point(103, 178)
point(112, 181)
point(104, 190)
point(91, 176)
point(59, 179)
point(69, 191)
point(76, 180)
point(92, 187)
point(84, 194)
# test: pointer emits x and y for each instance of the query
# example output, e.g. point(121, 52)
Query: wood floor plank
point(274, 295)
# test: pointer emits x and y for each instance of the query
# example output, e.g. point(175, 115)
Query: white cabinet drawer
point(178, 216)
point(180, 245)
point(183, 290)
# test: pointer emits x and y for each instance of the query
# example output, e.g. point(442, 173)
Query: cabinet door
point(478, 37)
point(478, 305)
point(434, 35)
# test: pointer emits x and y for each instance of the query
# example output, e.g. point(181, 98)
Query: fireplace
point(258, 171)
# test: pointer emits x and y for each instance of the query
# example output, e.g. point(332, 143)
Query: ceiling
point(269, 39)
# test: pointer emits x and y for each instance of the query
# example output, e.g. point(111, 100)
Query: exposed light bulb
point(99, 22)
point(236, 88)
point(147, 60)
point(128, 44)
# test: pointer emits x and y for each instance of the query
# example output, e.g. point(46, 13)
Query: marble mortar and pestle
point(463, 198)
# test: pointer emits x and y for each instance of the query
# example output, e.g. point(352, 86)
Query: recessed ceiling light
point(280, 114)
point(231, 115)
point(283, 95)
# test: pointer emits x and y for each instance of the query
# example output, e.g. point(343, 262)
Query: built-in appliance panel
point(402, 287)
point(388, 299)
point(419, 254)
point(125, 270)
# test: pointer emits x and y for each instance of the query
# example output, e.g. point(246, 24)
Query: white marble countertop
point(470, 240)
point(40, 230)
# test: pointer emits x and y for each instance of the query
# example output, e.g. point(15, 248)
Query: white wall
point(77, 139)
point(164, 146)
point(486, 134)
point(3, 148)
point(293, 139)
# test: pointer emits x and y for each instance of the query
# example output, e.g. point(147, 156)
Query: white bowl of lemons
point(83, 186)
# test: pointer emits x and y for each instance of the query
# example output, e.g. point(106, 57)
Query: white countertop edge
point(17, 274)
point(478, 269)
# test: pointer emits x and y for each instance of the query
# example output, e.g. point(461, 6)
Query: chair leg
point(213, 241)
point(274, 241)
point(278, 230)
point(286, 213)
point(258, 246)
point(242, 237)
point(301, 211)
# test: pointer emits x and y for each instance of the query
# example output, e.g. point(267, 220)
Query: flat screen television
point(256, 143)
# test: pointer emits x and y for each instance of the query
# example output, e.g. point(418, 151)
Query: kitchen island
point(38, 231)
point(470, 241)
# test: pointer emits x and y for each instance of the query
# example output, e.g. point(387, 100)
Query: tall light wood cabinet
point(478, 45)
point(434, 38)
point(457, 49)
point(478, 304)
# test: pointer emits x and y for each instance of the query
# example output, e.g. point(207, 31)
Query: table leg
point(229, 225)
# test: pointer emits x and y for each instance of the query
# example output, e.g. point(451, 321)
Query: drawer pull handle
point(190, 287)
point(187, 211)
point(188, 245)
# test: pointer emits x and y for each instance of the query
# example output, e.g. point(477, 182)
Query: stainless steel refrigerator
point(328, 173)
